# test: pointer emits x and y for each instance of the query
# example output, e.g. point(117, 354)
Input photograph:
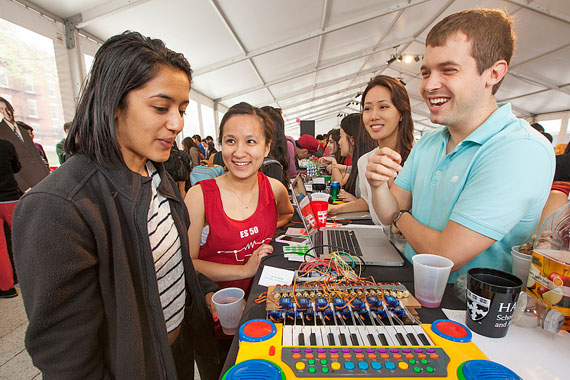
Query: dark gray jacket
point(33, 168)
point(88, 280)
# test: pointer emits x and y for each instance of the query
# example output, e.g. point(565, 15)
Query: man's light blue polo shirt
point(495, 182)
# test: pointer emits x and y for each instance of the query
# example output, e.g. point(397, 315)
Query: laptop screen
point(303, 204)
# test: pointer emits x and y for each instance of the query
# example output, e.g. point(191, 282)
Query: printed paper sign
point(276, 276)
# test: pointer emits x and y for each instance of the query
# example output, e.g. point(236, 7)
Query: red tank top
point(233, 241)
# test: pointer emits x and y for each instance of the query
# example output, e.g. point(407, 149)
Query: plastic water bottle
point(531, 312)
point(311, 169)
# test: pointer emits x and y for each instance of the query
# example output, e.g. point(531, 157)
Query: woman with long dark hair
point(276, 164)
point(211, 149)
point(333, 137)
point(387, 118)
point(363, 144)
point(342, 143)
point(352, 144)
point(192, 150)
point(101, 245)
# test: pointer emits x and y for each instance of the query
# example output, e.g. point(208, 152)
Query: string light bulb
point(406, 58)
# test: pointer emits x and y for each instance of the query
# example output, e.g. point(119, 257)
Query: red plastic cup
point(308, 214)
point(320, 205)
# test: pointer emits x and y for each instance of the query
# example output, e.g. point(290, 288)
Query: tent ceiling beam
point(377, 44)
point(344, 98)
point(324, 96)
point(541, 9)
point(524, 95)
point(105, 10)
point(324, 20)
point(322, 113)
point(305, 71)
point(48, 14)
point(308, 111)
point(418, 33)
point(40, 10)
point(236, 38)
point(329, 83)
point(439, 12)
point(394, 20)
point(539, 81)
point(543, 55)
point(307, 36)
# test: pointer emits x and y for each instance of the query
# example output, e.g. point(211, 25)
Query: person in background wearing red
point(9, 195)
point(323, 140)
point(300, 149)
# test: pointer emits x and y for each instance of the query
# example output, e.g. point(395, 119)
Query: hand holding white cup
point(229, 306)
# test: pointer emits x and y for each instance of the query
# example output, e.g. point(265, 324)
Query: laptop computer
point(370, 243)
point(354, 215)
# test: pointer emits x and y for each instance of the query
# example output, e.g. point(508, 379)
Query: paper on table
point(295, 257)
point(531, 353)
point(293, 231)
point(455, 315)
point(276, 276)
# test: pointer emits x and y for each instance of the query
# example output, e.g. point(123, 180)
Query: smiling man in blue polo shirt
point(474, 188)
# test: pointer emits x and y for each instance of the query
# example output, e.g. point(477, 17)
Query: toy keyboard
point(269, 351)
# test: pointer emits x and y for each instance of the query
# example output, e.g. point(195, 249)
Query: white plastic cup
point(521, 264)
point(229, 306)
point(430, 278)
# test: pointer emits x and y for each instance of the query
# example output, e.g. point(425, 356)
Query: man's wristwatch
point(399, 215)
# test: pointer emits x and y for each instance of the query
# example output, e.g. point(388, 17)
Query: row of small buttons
point(361, 365)
point(359, 351)
point(362, 356)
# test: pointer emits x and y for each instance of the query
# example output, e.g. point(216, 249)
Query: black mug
point(491, 299)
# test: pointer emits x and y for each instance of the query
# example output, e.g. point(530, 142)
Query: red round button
point(452, 329)
point(257, 329)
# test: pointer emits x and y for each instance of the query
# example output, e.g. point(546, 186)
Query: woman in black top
point(88, 244)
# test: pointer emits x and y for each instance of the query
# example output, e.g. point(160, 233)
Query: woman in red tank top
point(241, 208)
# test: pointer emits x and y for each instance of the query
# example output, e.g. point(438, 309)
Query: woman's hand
point(333, 210)
point(250, 268)
point(346, 196)
point(327, 160)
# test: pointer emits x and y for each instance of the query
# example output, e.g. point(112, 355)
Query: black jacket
point(9, 165)
point(88, 280)
point(33, 167)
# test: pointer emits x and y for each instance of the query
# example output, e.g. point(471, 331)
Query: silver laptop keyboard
point(344, 239)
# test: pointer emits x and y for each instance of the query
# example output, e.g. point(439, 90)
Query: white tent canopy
point(310, 58)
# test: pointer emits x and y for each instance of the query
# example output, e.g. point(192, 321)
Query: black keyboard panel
point(344, 239)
